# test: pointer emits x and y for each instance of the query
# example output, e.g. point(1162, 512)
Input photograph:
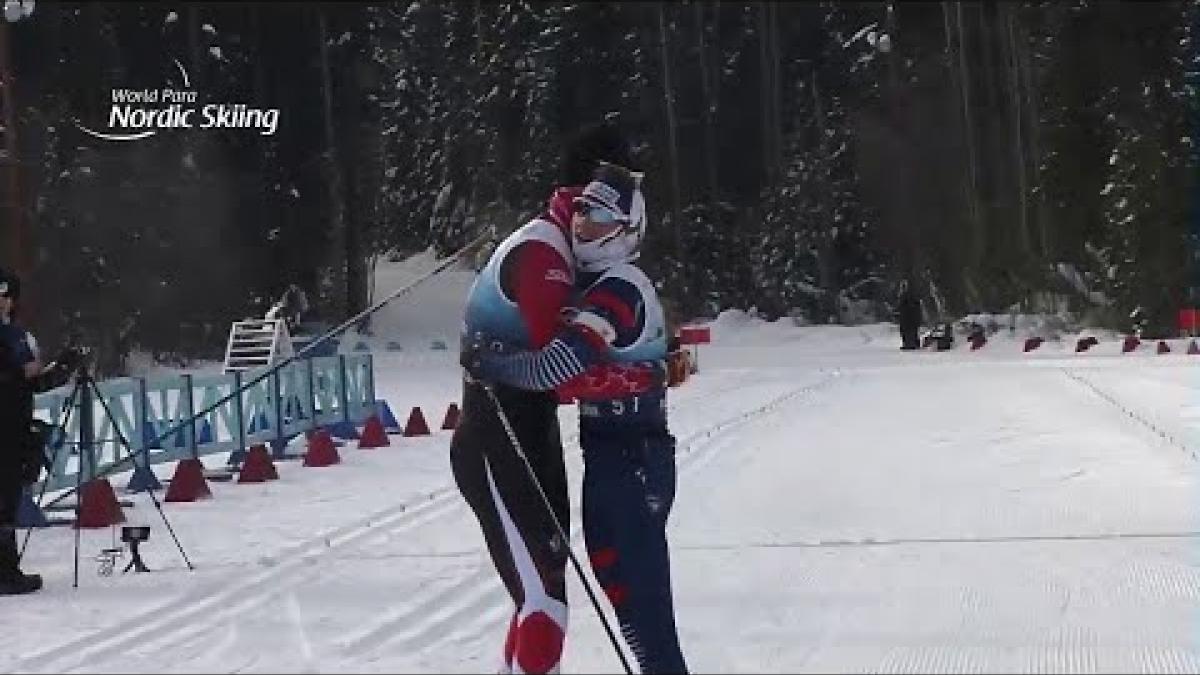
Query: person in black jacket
point(22, 453)
point(908, 315)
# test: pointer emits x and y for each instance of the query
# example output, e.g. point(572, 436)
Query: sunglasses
point(596, 214)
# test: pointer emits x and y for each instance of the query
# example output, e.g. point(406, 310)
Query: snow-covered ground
point(842, 507)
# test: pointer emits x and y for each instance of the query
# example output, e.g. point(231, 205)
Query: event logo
point(141, 113)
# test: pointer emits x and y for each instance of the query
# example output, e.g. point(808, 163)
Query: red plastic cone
point(258, 467)
point(1131, 343)
point(98, 505)
point(188, 484)
point(372, 435)
point(416, 425)
point(1163, 347)
point(1193, 348)
point(1032, 344)
point(321, 450)
point(272, 472)
point(451, 420)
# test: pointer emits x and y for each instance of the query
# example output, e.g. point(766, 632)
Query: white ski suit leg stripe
point(536, 598)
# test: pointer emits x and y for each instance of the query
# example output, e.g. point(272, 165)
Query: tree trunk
point(709, 103)
point(15, 241)
point(989, 69)
point(766, 95)
point(265, 162)
point(339, 240)
point(1033, 119)
point(989, 172)
point(827, 263)
point(672, 147)
point(354, 165)
point(776, 90)
point(978, 222)
point(363, 166)
point(1015, 95)
point(905, 225)
point(956, 66)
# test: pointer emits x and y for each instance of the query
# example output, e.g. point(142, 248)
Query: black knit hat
point(595, 143)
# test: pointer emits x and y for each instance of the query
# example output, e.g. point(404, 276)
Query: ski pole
point(516, 444)
point(441, 266)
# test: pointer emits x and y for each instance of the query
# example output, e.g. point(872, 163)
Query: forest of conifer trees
point(801, 158)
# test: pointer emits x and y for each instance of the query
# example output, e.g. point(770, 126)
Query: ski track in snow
point(963, 633)
point(481, 599)
point(491, 607)
point(1028, 538)
point(1156, 427)
point(466, 608)
point(184, 613)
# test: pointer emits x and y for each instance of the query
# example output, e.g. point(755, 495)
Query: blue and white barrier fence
point(304, 395)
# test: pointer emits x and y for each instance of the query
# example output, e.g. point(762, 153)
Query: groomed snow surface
point(843, 507)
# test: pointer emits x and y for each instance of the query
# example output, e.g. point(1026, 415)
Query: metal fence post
point(189, 410)
point(344, 395)
point(139, 423)
point(277, 391)
point(87, 435)
point(312, 394)
point(239, 454)
point(369, 384)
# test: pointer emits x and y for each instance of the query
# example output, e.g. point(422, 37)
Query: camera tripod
point(84, 393)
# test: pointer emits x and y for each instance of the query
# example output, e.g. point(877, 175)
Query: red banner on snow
point(694, 335)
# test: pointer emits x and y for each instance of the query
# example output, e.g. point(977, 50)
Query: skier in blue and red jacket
point(629, 454)
point(517, 299)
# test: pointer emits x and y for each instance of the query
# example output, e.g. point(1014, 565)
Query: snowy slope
point(842, 507)
point(429, 313)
